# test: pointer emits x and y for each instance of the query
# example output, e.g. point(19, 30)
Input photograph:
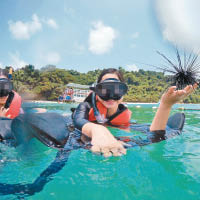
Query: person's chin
point(2, 100)
point(110, 103)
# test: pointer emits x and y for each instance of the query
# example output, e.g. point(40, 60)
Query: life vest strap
point(119, 111)
point(9, 99)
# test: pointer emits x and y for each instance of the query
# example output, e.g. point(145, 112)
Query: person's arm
point(81, 115)
point(168, 99)
point(101, 138)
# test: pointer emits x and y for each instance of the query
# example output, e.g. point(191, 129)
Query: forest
point(49, 82)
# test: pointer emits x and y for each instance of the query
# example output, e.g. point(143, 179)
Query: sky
point(94, 34)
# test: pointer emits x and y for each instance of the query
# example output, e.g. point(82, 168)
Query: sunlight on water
point(166, 170)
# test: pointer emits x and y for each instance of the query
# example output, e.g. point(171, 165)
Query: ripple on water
point(166, 170)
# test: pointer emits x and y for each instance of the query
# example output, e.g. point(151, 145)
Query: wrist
point(94, 129)
point(165, 105)
point(88, 129)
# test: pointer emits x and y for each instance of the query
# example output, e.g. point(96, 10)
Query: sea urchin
point(185, 71)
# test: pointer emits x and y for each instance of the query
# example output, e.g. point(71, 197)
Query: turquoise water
point(166, 170)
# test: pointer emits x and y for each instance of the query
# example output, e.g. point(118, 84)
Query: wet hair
point(111, 71)
point(3, 72)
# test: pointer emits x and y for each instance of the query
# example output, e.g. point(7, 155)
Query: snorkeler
point(10, 101)
point(104, 107)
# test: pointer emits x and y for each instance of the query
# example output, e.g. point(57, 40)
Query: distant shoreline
point(39, 101)
point(128, 103)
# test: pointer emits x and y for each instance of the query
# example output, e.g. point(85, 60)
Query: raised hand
point(173, 96)
point(168, 99)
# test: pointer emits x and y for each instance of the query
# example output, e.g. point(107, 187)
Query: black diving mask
point(110, 89)
point(6, 87)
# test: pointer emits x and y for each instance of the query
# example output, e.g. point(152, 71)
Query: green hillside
point(49, 82)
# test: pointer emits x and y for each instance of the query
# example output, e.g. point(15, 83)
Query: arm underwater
point(42, 126)
point(64, 137)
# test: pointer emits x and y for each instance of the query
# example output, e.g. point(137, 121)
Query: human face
point(2, 76)
point(3, 99)
point(113, 104)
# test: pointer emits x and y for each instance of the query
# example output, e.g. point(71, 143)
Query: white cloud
point(132, 67)
point(16, 61)
point(24, 30)
point(51, 23)
point(101, 38)
point(52, 58)
point(135, 35)
point(180, 22)
point(1, 65)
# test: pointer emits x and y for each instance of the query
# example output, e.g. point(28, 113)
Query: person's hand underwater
point(173, 96)
point(104, 142)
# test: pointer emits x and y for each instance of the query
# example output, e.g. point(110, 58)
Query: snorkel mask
point(6, 87)
point(110, 88)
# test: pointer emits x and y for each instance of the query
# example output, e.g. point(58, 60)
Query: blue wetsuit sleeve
point(81, 115)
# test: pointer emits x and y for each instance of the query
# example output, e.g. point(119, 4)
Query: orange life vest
point(121, 119)
point(14, 108)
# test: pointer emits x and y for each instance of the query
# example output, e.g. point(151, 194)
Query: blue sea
point(160, 171)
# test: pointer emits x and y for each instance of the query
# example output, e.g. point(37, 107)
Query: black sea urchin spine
point(185, 71)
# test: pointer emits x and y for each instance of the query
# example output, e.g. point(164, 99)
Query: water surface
point(166, 170)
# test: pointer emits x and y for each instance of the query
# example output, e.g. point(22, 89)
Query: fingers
point(180, 92)
point(3, 112)
point(125, 144)
point(113, 151)
point(190, 88)
point(95, 149)
point(173, 96)
point(4, 109)
point(171, 89)
point(108, 154)
point(195, 85)
point(186, 91)
point(123, 151)
point(105, 150)
point(117, 150)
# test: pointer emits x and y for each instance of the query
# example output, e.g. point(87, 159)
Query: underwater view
point(164, 170)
